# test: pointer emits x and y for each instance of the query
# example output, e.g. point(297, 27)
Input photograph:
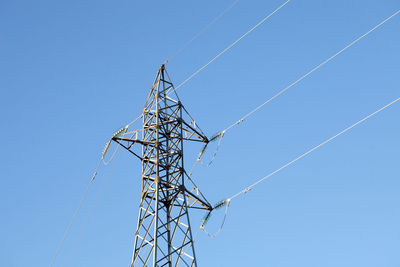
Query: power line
point(180, 50)
point(311, 71)
point(222, 133)
point(75, 213)
point(247, 189)
point(121, 131)
point(132, 122)
point(313, 149)
point(229, 47)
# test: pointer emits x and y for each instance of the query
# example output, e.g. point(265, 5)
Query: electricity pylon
point(163, 236)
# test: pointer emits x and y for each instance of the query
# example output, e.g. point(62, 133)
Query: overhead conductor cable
point(248, 188)
point(229, 47)
point(75, 213)
point(221, 133)
point(314, 148)
point(311, 71)
point(202, 31)
point(103, 154)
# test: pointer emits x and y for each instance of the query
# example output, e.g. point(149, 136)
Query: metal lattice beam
point(163, 236)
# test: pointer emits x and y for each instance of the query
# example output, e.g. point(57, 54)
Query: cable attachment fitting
point(246, 190)
point(239, 121)
point(94, 176)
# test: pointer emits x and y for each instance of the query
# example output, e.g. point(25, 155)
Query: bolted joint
point(144, 194)
point(167, 203)
point(182, 188)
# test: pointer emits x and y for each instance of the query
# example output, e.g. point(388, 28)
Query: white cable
point(202, 31)
point(311, 150)
point(85, 193)
point(307, 74)
point(229, 47)
point(74, 215)
point(314, 69)
point(132, 122)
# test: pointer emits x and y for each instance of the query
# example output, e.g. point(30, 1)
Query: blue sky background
point(72, 72)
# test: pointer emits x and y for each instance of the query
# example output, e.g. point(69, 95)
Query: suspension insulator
point(206, 218)
point(120, 131)
point(216, 136)
point(202, 152)
point(220, 204)
point(106, 147)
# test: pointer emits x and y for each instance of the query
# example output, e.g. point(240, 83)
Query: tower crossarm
point(192, 134)
point(204, 204)
point(133, 141)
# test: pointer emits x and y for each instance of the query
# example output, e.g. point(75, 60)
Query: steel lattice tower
point(163, 236)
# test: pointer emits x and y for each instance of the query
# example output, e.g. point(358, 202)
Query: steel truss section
point(163, 236)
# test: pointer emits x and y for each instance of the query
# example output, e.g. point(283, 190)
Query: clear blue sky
point(72, 72)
